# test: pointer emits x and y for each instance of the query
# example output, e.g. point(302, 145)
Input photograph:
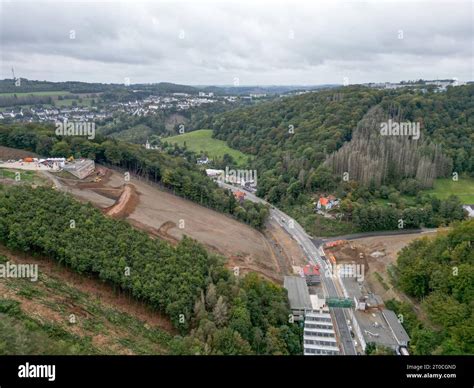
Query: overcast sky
point(224, 42)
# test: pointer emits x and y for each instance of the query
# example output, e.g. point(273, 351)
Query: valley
point(274, 227)
point(210, 192)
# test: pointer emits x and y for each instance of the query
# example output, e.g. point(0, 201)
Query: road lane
point(313, 254)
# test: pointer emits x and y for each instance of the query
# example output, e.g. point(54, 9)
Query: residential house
point(239, 196)
point(327, 203)
point(203, 160)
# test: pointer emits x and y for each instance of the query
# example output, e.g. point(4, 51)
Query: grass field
point(24, 175)
point(442, 189)
point(463, 188)
point(202, 140)
point(50, 93)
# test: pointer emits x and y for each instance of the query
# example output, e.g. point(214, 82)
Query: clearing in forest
point(202, 141)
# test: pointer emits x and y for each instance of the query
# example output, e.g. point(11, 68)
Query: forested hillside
point(215, 311)
point(175, 170)
point(296, 140)
point(303, 130)
point(373, 159)
point(439, 274)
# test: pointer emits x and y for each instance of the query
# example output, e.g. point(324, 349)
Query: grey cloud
point(259, 42)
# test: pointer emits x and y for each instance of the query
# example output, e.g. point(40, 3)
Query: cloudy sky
point(224, 42)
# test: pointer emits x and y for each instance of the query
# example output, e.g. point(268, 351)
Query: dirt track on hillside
point(173, 217)
point(126, 203)
point(164, 215)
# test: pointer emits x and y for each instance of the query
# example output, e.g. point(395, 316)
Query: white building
point(80, 168)
point(204, 94)
point(210, 172)
point(319, 337)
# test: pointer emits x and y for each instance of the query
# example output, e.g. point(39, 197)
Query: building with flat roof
point(298, 296)
point(319, 337)
point(396, 327)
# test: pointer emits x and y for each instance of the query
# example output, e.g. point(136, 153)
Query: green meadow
point(202, 141)
point(463, 188)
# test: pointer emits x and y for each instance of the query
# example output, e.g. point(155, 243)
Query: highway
point(314, 256)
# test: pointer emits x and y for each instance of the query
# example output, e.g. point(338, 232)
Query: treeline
point(375, 208)
point(39, 220)
point(133, 129)
point(291, 137)
point(28, 86)
point(447, 119)
point(431, 213)
point(174, 173)
point(439, 274)
point(215, 311)
point(15, 100)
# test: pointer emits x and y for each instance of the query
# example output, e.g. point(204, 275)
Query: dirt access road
point(272, 253)
point(170, 217)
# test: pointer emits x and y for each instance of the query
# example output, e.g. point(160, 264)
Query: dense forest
point(173, 172)
point(371, 158)
point(439, 274)
point(296, 134)
point(215, 311)
point(303, 143)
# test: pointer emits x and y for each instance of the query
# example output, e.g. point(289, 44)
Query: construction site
point(80, 168)
point(370, 286)
point(360, 268)
point(151, 208)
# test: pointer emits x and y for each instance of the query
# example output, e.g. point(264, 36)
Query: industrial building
point(298, 296)
point(319, 337)
point(373, 323)
point(397, 329)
